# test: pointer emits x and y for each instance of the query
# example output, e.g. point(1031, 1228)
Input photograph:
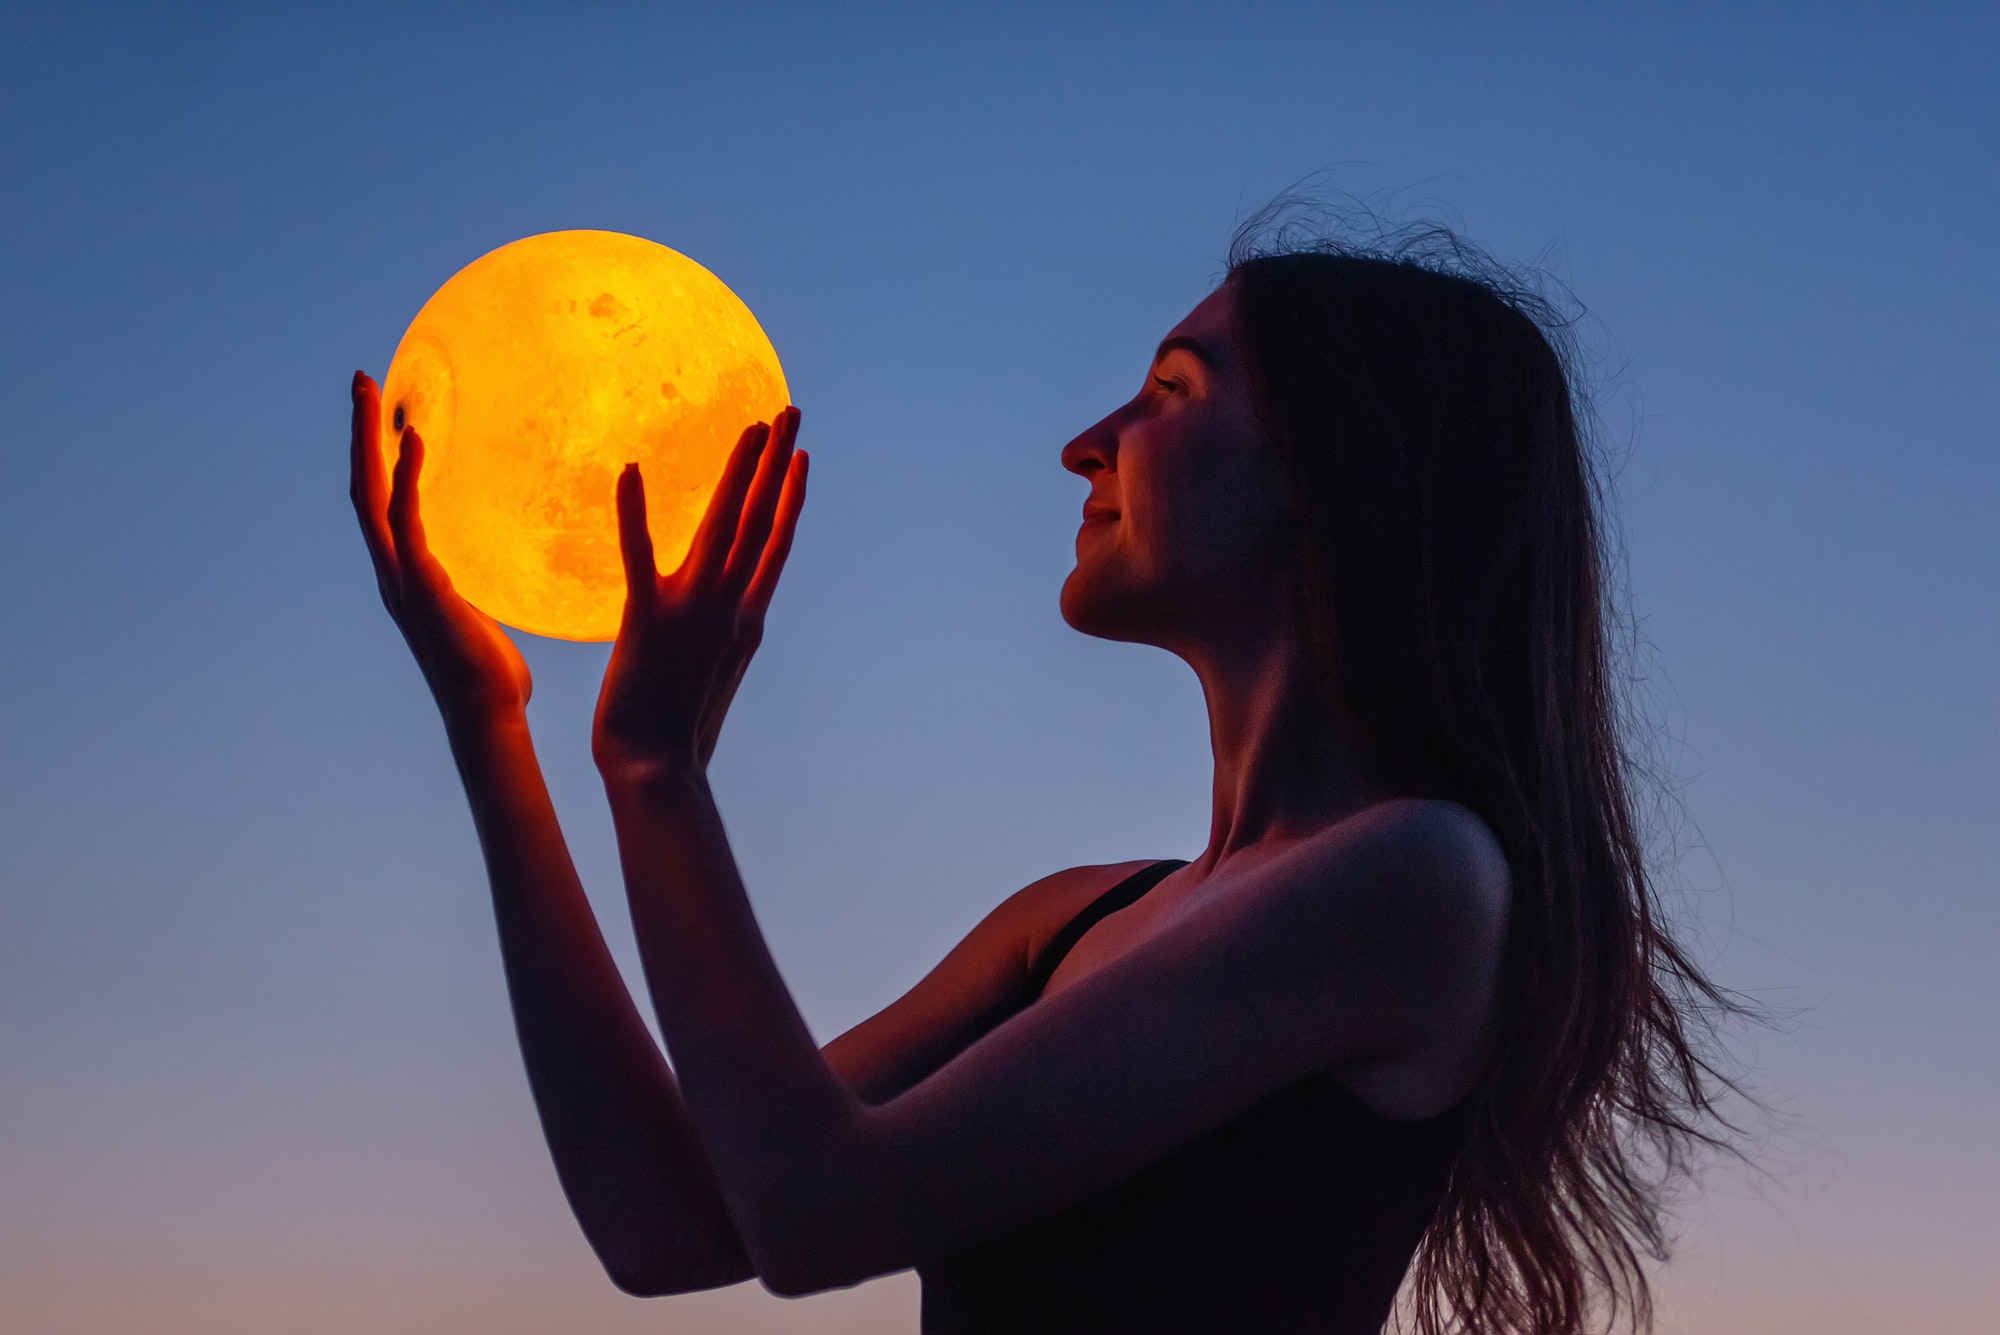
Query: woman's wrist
point(473, 726)
point(662, 773)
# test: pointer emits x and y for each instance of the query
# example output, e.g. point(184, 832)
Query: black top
point(1299, 1215)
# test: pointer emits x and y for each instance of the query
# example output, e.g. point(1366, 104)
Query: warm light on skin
point(534, 376)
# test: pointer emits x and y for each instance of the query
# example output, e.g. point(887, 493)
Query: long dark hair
point(1452, 572)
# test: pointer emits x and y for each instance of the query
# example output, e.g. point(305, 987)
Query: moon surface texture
point(534, 376)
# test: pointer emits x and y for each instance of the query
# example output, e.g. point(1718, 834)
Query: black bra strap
point(1127, 892)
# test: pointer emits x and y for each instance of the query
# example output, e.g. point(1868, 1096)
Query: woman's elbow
point(652, 1272)
point(821, 1224)
point(792, 1271)
point(800, 1277)
point(639, 1281)
point(796, 1262)
point(787, 1285)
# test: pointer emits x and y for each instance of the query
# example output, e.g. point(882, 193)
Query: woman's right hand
point(475, 672)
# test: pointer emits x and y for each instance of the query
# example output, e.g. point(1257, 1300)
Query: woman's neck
point(1283, 770)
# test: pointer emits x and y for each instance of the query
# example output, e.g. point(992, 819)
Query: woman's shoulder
point(1444, 828)
point(1032, 915)
point(1428, 854)
point(1426, 881)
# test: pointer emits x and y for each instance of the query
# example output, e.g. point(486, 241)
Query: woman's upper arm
point(974, 987)
point(1377, 942)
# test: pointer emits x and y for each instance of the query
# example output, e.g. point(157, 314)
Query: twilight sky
point(256, 1069)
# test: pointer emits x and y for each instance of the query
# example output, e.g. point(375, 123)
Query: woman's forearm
point(772, 1114)
point(767, 1105)
point(624, 1147)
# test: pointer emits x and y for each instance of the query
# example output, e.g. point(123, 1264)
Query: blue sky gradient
point(256, 1070)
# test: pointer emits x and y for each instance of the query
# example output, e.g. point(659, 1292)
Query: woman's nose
point(1094, 450)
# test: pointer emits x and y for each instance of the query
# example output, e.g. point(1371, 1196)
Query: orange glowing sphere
point(534, 376)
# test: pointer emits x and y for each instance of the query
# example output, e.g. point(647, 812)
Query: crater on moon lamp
point(534, 375)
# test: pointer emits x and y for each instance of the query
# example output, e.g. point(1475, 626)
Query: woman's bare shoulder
point(1434, 892)
point(1037, 911)
point(1433, 855)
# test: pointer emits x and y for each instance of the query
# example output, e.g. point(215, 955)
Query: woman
point(1410, 1000)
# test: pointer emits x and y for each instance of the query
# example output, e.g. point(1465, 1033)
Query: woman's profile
point(1409, 1014)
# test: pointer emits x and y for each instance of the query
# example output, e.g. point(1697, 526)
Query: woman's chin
point(1091, 607)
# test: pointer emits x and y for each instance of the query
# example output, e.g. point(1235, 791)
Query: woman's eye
point(1168, 385)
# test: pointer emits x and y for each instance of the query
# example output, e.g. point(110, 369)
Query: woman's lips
point(1097, 514)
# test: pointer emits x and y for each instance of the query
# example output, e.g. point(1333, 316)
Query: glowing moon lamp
point(534, 375)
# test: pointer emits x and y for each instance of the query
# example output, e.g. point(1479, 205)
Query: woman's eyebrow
point(1181, 342)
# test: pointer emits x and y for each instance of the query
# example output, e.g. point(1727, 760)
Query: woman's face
point(1182, 529)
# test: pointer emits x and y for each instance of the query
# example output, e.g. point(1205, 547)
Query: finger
point(761, 505)
point(635, 540)
point(784, 524)
point(406, 521)
point(717, 533)
point(367, 486)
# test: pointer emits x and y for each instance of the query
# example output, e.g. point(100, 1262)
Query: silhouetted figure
point(1410, 1001)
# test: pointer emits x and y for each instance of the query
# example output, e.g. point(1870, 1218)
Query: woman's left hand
point(687, 638)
